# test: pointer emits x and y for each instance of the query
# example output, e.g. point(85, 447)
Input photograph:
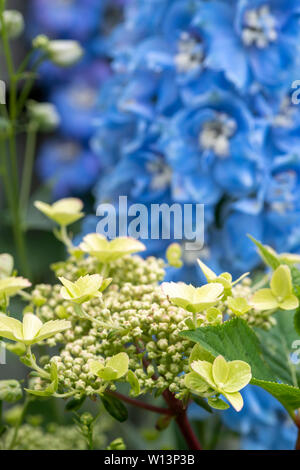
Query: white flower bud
point(14, 23)
point(64, 52)
point(44, 115)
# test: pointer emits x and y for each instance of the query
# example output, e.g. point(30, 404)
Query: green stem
point(17, 221)
point(28, 86)
point(195, 320)
point(64, 395)
point(28, 167)
point(83, 314)
point(14, 210)
point(35, 367)
point(19, 423)
point(65, 237)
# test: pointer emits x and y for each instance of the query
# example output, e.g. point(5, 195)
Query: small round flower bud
point(43, 115)
point(14, 23)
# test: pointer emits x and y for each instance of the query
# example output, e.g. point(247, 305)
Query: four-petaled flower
point(113, 368)
point(193, 299)
point(225, 378)
point(105, 251)
point(9, 286)
point(32, 330)
point(64, 212)
point(280, 294)
point(84, 289)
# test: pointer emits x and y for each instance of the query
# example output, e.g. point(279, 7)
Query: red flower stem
point(187, 431)
point(179, 411)
point(140, 404)
point(182, 420)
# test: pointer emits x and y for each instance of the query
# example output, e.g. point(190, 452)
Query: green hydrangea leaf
point(115, 407)
point(297, 321)
point(217, 403)
point(208, 273)
point(287, 395)
point(235, 340)
point(134, 383)
point(75, 403)
point(277, 348)
point(266, 254)
point(202, 403)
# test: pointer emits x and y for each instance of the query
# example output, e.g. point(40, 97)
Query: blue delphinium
point(263, 423)
point(69, 167)
point(73, 90)
point(199, 110)
point(72, 19)
point(190, 110)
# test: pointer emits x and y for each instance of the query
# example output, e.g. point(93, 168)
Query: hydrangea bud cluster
point(147, 325)
point(114, 322)
point(57, 437)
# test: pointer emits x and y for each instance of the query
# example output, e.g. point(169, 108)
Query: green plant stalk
point(35, 367)
point(28, 86)
point(28, 167)
point(14, 202)
point(11, 202)
point(83, 314)
point(19, 423)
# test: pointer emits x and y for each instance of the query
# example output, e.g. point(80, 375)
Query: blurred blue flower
point(71, 19)
point(263, 423)
point(77, 107)
point(252, 40)
point(70, 168)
